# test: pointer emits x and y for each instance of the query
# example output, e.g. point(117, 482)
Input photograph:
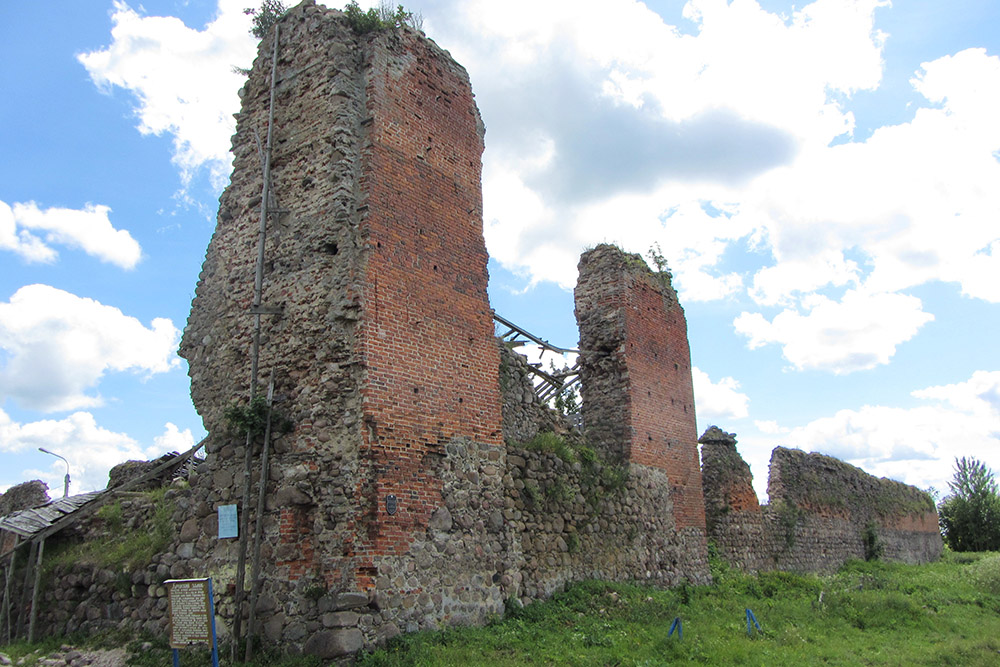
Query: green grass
point(121, 549)
point(869, 613)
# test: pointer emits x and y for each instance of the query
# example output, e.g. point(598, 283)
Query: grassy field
point(946, 613)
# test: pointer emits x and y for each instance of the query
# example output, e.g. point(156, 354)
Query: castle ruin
point(413, 490)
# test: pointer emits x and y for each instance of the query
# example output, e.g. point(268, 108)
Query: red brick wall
point(427, 337)
point(638, 393)
point(662, 406)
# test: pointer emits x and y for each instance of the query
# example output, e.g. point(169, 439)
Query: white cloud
point(914, 445)
point(88, 229)
point(182, 79)
point(602, 118)
point(716, 401)
point(173, 439)
point(913, 203)
point(979, 395)
point(860, 332)
point(59, 345)
point(769, 426)
point(917, 201)
point(90, 449)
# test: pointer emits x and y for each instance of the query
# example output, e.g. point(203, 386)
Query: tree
point(265, 16)
point(970, 514)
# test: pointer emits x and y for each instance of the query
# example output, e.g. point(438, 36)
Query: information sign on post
point(192, 615)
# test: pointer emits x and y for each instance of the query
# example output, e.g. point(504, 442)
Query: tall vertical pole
point(258, 533)
point(258, 283)
point(33, 551)
point(34, 592)
point(5, 611)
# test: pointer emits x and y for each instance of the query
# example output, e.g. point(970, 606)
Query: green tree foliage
point(265, 16)
point(970, 514)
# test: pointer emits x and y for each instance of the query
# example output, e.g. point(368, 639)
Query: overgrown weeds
point(872, 613)
point(120, 549)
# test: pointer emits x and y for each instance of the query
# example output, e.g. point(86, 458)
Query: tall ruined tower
point(382, 352)
point(638, 396)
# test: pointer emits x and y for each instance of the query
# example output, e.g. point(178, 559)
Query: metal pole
point(259, 523)
point(34, 592)
point(65, 479)
point(255, 357)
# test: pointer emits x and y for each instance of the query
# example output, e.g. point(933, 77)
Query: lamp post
point(66, 484)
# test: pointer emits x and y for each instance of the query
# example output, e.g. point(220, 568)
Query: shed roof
point(27, 523)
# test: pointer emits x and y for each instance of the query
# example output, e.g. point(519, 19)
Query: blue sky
point(823, 178)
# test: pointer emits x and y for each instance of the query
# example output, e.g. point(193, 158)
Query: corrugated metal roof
point(28, 522)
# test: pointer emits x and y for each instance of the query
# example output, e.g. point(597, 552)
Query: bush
point(383, 18)
point(986, 574)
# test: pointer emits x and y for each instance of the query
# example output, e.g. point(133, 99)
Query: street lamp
point(66, 485)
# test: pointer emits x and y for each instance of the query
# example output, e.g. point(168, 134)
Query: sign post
point(192, 615)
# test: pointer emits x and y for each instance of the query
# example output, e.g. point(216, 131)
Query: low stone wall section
point(580, 519)
point(822, 513)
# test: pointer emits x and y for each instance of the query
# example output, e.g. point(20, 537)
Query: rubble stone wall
point(822, 512)
point(383, 355)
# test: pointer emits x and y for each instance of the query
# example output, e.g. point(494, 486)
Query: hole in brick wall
point(435, 267)
point(685, 408)
point(416, 390)
point(461, 400)
point(677, 366)
point(378, 244)
point(330, 248)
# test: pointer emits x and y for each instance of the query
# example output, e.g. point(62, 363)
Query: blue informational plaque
point(228, 523)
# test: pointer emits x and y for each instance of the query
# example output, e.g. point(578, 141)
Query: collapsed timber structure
point(422, 482)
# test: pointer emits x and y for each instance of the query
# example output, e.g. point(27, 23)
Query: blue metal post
point(211, 614)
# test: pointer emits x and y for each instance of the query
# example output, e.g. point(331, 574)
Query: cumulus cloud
point(859, 332)
point(914, 445)
point(733, 130)
point(717, 400)
point(769, 426)
point(603, 119)
point(181, 78)
point(578, 107)
point(90, 449)
point(30, 232)
point(59, 345)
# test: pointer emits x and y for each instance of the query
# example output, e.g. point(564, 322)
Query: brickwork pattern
point(638, 395)
point(431, 365)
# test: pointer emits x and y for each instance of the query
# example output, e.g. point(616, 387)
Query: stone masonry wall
point(638, 396)
point(821, 510)
point(383, 356)
point(728, 483)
